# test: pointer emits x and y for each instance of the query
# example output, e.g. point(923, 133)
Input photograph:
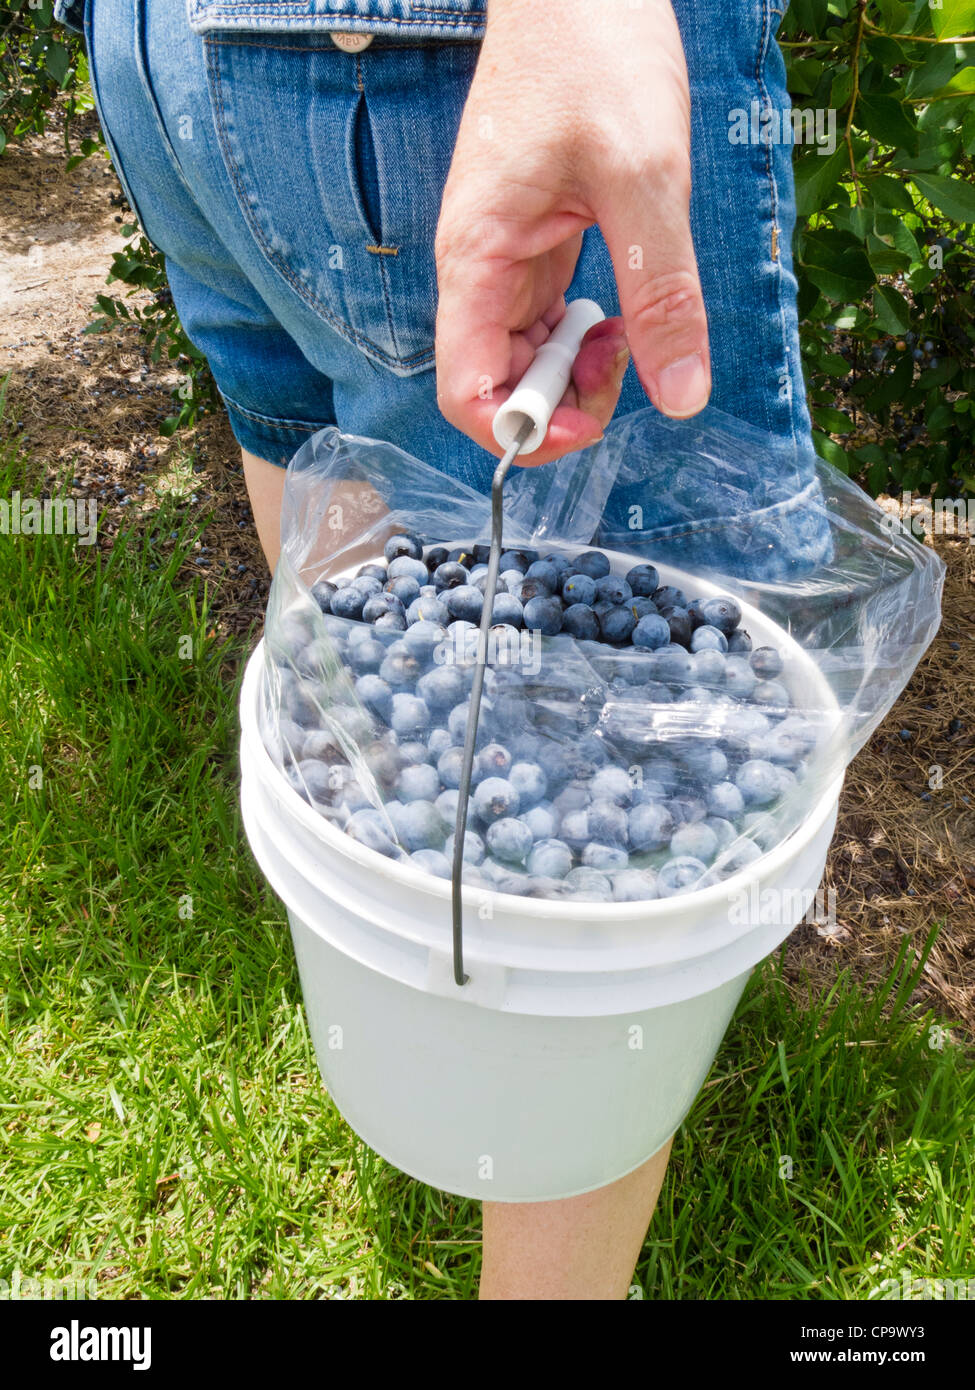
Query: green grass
point(163, 1131)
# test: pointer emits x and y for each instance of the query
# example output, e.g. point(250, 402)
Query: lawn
point(165, 1133)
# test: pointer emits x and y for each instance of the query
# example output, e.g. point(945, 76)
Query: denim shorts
point(294, 189)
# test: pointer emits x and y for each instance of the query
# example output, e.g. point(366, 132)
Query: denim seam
point(381, 265)
point(341, 327)
point(270, 420)
point(142, 67)
point(348, 21)
point(88, 33)
point(229, 39)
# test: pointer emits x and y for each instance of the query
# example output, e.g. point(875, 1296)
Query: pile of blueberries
point(631, 743)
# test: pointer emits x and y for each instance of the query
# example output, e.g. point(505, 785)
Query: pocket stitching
point(346, 330)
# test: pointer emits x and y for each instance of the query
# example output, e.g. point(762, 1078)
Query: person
point(372, 217)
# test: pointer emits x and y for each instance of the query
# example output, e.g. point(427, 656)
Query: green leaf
point(887, 120)
point(832, 421)
point(889, 192)
point(896, 14)
point(842, 89)
point(841, 277)
point(810, 15)
point(934, 72)
point(816, 177)
point(953, 17)
point(834, 364)
point(953, 197)
point(892, 310)
point(57, 60)
point(937, 376)
point(829, 450)
point(962, 84)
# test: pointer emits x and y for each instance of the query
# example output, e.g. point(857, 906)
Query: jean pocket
point(338, 163)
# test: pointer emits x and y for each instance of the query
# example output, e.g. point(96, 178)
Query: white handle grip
point(543, 385)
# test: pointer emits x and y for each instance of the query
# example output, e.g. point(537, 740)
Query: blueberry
point(446, 804)
point(404, 544)
point(407, 590)
point(436, 556)
point(705, 764)
point(785, 747)
point(366, 827)
point(372, 571)
point(495, 798)
point(771, 693)
point(348, 602)
point(696, 614)
point(669, 597)
point(634, 885)
point(322, 594)
point(651, 632)
point(550, 858)
point(765, 661)
point(465, 602)
point(473, 847)
point(685, 809)
point(508, 609)
point(442, 688)
point(708, 667)
point(438, 742)
point(315, 781)
point(544, 573)
point(740, 679)
point(745, 852)
point(376, 695)
point(612, 589)
point(574, 828)
point(580, 621)
point(510, 580)
point(417, 822)
point(541, 820)
point(449, 576)
point(400, 667)
point(739, 641)
point(561, 563)
point(724, 830)
point(433, 861)
point(616, 624)
point(457, 722)
point(724, 799)
point(696, 840)
point(591, 562)
point(529, 780)
point(650, 826)
point(758, 782)
point(672, 663)
point(380, 604)
point(612, 784)
point(679, 876)
point(608, 858)
point(607, 822)
point(391, 622)
point(492, 761)
point(707, 638)
point(514, 560)
point(648, 790)
point(410, 716)
point(679, 625)
point(463, 555)
point(450, 765)
point(509, 839)
point(427, 609)
point(586, 880)
point(722, 613)
point(643, 580)
point(366, 656)
point(544, 615)
point(367, 584)
point(579, 588)
point(423, 637)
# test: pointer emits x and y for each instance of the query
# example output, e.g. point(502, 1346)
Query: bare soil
point(90, 407)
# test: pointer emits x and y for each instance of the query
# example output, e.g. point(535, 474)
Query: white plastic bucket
point(586, 1029)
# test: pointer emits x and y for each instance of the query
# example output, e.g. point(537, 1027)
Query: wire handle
point(520, 426)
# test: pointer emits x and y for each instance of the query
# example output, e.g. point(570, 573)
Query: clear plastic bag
point(614, 772)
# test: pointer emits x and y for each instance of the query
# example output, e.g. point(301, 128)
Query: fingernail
point(621, 361)
point(683, 386)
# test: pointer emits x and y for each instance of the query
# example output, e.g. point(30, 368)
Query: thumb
point(660, 299)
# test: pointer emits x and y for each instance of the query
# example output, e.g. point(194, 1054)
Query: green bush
point(883, 250)
point(38, 61)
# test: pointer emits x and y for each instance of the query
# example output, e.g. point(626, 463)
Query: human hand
point(578, 113)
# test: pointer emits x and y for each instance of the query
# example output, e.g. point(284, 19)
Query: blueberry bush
point(39, 61)
point(884, 249)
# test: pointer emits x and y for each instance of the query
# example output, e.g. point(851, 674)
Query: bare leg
point(265, 487)
point(581, 1248)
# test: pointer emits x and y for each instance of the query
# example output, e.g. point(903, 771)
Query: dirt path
point(904, 853)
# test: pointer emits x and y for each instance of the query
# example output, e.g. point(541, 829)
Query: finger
point(660, 293)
